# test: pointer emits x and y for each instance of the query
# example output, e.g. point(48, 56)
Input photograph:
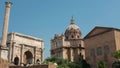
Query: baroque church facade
point(99, 44)
point(69, 45)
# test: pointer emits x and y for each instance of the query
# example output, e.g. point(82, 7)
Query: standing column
point(5, 26)
point(71, 54)
point(21, 55)
point(35, 55)
point(10, 52)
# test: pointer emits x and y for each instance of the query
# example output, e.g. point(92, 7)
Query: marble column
point(42, 55)
point(34, 55)
point(71, 54)
point(21, 54)
point(10, 51)
point(5, 25)
point(12, 54)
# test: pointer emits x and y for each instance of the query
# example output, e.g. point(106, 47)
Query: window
point(78, 36)
point(99, 51)
point(80, 45)
point(66, 37)
point(92, 52)
point(55, 44)
point(72, 36)
point(106, 49)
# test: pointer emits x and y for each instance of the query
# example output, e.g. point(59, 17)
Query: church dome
point(72, 31)
point(72, 26)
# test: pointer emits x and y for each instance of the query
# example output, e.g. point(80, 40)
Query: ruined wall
point(4, 63)
point(35, 66)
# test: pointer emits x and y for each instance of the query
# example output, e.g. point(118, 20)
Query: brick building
point(101, 44)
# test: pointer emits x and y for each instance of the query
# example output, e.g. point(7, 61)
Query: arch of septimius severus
point(18, 48)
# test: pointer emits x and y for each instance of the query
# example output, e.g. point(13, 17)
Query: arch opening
point(16, 60)
point(28, 57)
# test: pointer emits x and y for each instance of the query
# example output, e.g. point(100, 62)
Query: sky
point(44, 18)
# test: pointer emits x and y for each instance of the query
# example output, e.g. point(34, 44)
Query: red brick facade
point(100, 45)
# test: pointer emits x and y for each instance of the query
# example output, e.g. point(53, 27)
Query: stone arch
point(16, 60)
point(28, 57)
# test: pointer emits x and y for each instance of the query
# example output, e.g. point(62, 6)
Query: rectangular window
point(99, 51)
point(106, 49)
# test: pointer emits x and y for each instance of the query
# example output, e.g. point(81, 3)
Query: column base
point(4, 52)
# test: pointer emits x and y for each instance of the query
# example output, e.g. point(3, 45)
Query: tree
point(63, 63)
point(116, 64)
point(101, 64)
point(117, 54)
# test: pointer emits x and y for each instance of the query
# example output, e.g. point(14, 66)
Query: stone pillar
point(71, 54)
point(5, 25)
point(10, 51)
point(34, 55)
point(13, 49)
point(21, 55)
point(42, 52)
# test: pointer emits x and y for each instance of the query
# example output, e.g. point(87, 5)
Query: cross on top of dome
point(72, 21)
point(72, 25)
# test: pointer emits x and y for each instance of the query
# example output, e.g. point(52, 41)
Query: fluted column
point(5, 25)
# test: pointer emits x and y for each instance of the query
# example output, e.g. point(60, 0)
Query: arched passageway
point(28, 57)
point(16, 60)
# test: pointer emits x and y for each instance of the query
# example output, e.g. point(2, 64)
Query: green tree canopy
point(63, 63)
point(117, 54)
point(101, 64)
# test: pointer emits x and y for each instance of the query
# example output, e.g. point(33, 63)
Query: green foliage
point(101, 64)
point(74, 65)
point(117, 54)
point(57, 60)
point(63, 63)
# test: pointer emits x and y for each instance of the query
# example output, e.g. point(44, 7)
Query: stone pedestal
point(4, 53)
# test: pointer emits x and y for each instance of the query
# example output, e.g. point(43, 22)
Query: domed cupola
point(72, 31)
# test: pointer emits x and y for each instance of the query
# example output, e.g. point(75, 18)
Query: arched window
point(92, 52)
point(66, 37)
point(99, 51)
point(72, 36)
point(78, 36)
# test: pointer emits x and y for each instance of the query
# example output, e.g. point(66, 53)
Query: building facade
point(24, 49)
point(101, 44)
point(68, 45)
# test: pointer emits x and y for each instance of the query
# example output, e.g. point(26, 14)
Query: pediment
point(97, 30)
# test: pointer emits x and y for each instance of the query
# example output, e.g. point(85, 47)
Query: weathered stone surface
point(36, 66)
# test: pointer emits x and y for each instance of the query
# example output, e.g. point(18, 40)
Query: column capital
point(8, 4)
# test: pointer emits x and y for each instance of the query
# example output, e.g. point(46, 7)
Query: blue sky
point(44, 18)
